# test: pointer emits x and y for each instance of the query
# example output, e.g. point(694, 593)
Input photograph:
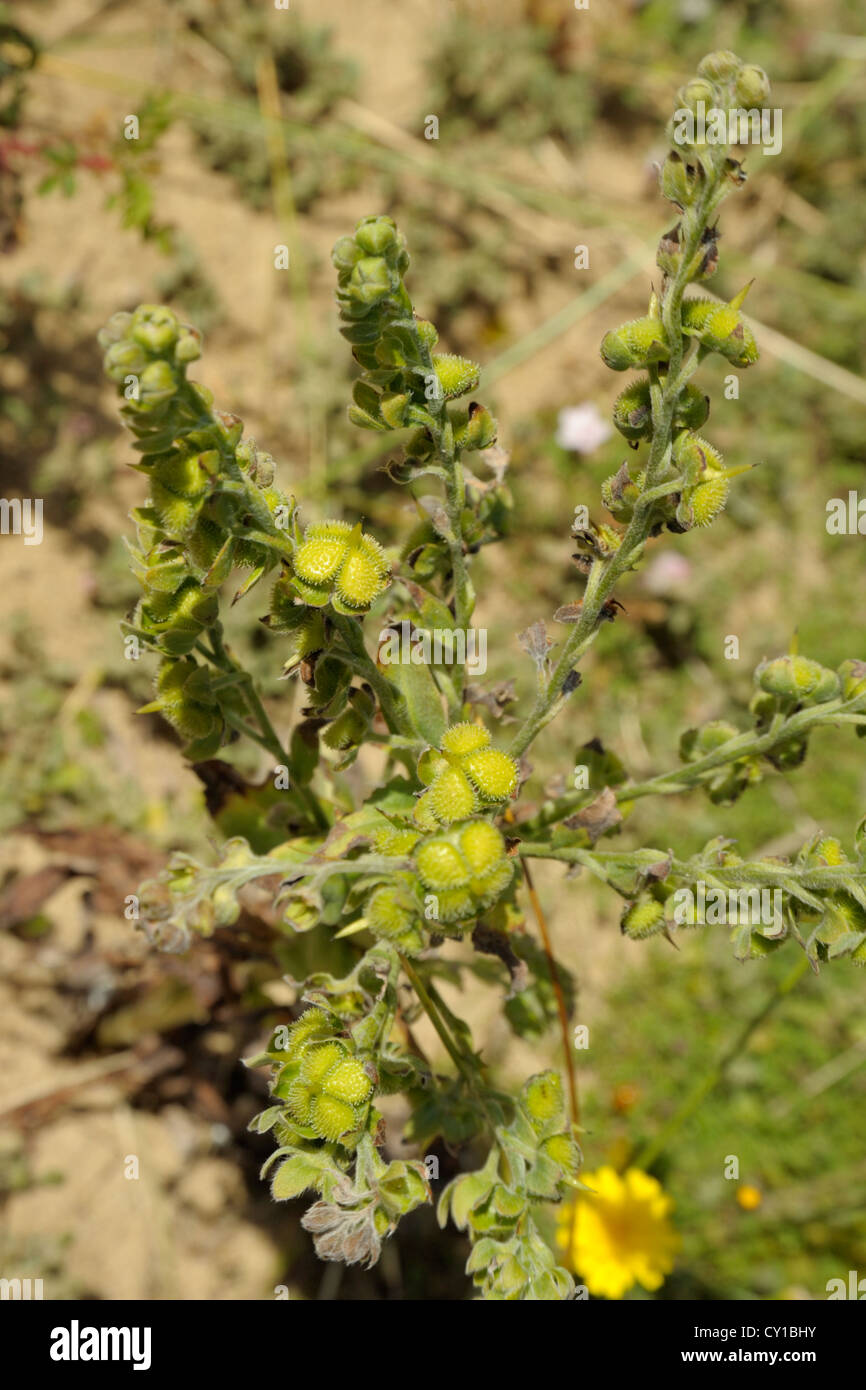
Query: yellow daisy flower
point(749, 1197)
point(619, 1235)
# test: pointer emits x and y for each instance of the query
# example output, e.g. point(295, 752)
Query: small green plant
point(310, 77)
point(440, 844)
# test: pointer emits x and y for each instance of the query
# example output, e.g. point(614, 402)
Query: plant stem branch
point(437, 1021)
point(390, 701)
point(605, 573)
point(558, 993)
point(750, 744)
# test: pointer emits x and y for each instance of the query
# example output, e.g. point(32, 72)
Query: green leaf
point(423, 701)
point(304, 751)
point(266, 1119)
point(298, 1174)
point(604, 767)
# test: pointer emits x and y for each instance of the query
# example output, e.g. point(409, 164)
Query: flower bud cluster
point(509, 1259)
point(818, 898)
point(784, 685)
point(464, 774)
point(326, 1088)
point(404, 381)
point(212, 507)
point(663, 407)
point(466, 868)
point(339, 564)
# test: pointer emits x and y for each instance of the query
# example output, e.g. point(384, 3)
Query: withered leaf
point(597, 818)
point(535, 642)
point(492, 942)
point(568, 613)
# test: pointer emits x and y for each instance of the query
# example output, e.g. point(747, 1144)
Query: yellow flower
point(749, 1197)
point(619, 1235)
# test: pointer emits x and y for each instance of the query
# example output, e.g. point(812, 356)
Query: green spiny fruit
point(797, 678)
point(313, 1025)
point(300, 1098)
point(452, 796)
point(632, 411)
point(348, 1081)
point(440, 865)
point(464, 738)
point(693, 457)
point(184, 698)
point(467, 868)
point(707, 500)
point(319, 1058)
point(424, 813)
point(455, 375)
point(178, 619)
point(635, 344)
point(644, 918)
point(492, 772)
point(185, 476)
point(481, 846)
point(465, 770)
point(331, 1118)
point(828, 850)
point(707, 483)
point(720, 328)
point(340, 564)
point(392, 913)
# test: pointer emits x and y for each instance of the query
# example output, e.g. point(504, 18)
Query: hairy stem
point(391, 704)
point(558, 994)
point(268, 737)
point(605, 573)
point(750, 744)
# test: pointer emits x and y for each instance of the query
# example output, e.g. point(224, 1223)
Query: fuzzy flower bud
point(721, 66)
point(753, 86)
